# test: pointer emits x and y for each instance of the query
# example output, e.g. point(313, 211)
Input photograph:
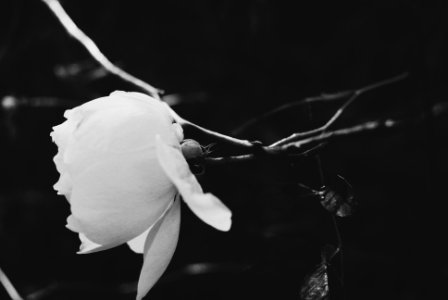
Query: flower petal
point(138, 244)
point(62, 132)
point(112, 202)
point(119, 100)
point(116, 133)
point(87, 246)
point(159, 249)
point(64, 185)
point(179, 132)
point(61, 135)
point(206, 206)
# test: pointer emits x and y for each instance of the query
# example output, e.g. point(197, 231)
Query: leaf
point(338, 198)
point(316, 285)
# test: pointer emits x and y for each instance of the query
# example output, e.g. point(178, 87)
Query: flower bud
point(191, 149)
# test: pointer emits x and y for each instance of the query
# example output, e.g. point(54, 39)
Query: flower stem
point(301, 147)
point(9, 287)
point(95, 52)
point(221, 137)
point(214, 135)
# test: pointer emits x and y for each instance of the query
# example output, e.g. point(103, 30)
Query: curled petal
point(206, 206)
point(113, 202)
point(159, 248)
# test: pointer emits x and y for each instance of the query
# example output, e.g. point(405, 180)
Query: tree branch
point(333, 119)
point(321, 98)
point(297, 148)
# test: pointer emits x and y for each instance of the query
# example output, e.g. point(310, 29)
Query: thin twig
point(10, 289)
point(326, 136)
point(221, 137)
point(321, 98)
point(297, 148)
point(340, 247)
point(333, 119)
point(95, 52)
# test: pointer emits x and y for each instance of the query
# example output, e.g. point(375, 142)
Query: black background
point(228, 61)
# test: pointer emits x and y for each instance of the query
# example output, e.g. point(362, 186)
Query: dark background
point(221, 63)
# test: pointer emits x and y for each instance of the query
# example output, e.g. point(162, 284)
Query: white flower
point(122, 171)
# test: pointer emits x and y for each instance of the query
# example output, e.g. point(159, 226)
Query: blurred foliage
point(317, 284)
point(233, 60)
point(338, 199)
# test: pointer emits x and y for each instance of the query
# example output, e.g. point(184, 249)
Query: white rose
point(121, 170)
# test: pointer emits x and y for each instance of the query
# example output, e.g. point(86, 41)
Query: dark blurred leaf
point(338, 198)
point(316, 285)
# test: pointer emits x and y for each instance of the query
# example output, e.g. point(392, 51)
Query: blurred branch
point(94, 51)
point(10, 289)
point(11, 102)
